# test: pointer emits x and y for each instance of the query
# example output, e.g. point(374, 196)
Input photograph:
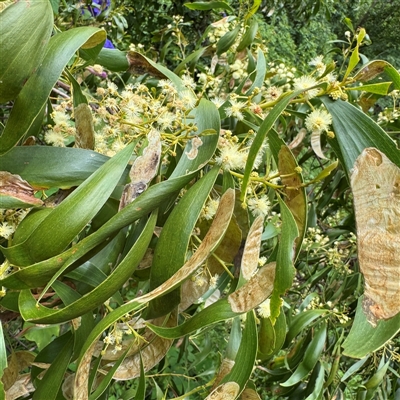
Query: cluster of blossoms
point(114, 339)
point(63, 129)
point(219, 29)
point(390, 115)
point(9, 220)
point(280, 73)
point(335, 254)
point(316, 303)
point(119, 117)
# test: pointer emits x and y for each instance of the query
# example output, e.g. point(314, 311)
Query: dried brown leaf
point(375, 182)
point(294, 197)
point(21, 387)
point(227, 391)
point(207, 246)
point(84, 138)
point(229, 246)
point(255, 291)
point(16, 363)
point(316, 144)
point(224, 369)
point(138, 65)
point(251, 251)
point(151, 352)
point(371, 70)
point(143, 170)
point(249, 394)
point(14, 186)
point(82, 375)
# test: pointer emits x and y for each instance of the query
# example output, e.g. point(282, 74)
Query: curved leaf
point(171, 248)
point(64, 167)
point(32, 311)
point(34, 94)
point(38, 274)
point(284, 260)
point(25, 29)
point(364, 338)
point(52, 235)
point(246, 355)
point(209, 5)
point(311, 356)
point(355, 131)
point(295, 194)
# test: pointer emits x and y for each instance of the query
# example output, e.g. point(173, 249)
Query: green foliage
point(192, 231)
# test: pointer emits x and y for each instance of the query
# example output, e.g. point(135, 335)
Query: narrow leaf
point(25, 30)
point(364, 338)
point(31, 310)
point(35, 92)
point(65, 167)
point(52, 236)
point(311, 357)
point(285, 258)
point(171, 248)
point(209, 5)
point(355, 131)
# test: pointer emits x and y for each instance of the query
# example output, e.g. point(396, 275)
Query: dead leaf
point(21, 388)
point(227, 391)
point(151, 352)
point(224, 369)
point(84, 138)
point(226, 251)
point(371, 70)
point(251, 251)
point(375, 182)
point(13, 186)
point(143, 170)
point(255, 291)
point(82, 375)
point(249, 394)
point(295, 197)
point(298, 140)
point(211, 240)
point(138, 65)
point(316, 144)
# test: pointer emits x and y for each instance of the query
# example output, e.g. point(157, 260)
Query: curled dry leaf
point(82, 375)
point(227, 391)
point(14, 187)
point(211, 240)
point(295, 197)
point(316, 144)
point(68, 387)
point(152, 352)
point(22, 387)
point(143, 170)
point(298, 140)
point(84, 138)
point(138, 65)
point(249, 394)
point(224, 369)
point(229, 246)
point(251, 251)
point(371, 70)
point(255, 291)
point(16, 363)
point(375, 183)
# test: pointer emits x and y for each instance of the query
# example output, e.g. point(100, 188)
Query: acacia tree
point(143, 214)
